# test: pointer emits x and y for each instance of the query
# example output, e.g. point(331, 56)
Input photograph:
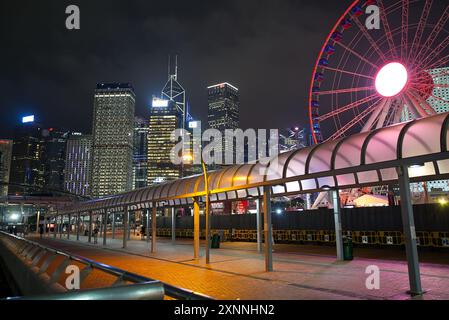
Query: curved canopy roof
point(363, 159)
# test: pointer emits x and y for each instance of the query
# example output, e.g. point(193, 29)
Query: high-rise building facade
point(53, 157)
point(439, 100)
point(112, 141)
point(77, 164)
point(223, 111)
point(140, 153)
point(165, 118)
point(5, 165)
point(27, 167)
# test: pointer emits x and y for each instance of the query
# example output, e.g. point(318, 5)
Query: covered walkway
point(412, 151)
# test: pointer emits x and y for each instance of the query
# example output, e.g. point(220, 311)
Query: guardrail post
point(337, 219)
point(268, 232)
point(173, 226)
point(105, 225)
point(259, 224)
point(89, 235)
point(153, 228)
point(408, 223)
point(196, 229)
point(78, 224)
point(125, 225)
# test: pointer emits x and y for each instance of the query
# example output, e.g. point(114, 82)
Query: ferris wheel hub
point(391, 79)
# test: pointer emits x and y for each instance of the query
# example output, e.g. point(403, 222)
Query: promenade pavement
point(237, 270)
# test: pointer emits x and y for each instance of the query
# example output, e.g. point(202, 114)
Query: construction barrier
point(362, 238)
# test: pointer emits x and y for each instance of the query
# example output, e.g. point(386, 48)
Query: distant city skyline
point(217, 43)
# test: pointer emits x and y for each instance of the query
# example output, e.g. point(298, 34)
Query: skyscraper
point(53, 157)
point(27, 167)
point(140, 153)
point(77, 164)
point(165, 117)
point(224, 104)
point(5, 164)
point(112, 142)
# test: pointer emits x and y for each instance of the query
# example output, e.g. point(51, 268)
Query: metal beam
point(408, 223)
point(268, 232)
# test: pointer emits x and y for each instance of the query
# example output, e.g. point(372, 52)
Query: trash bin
point(215, 243)
point(347, 248)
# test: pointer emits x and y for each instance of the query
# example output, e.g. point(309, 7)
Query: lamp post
point(189, 158)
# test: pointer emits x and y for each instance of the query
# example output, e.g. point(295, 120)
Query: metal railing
point(34, 253)
point(153, 290)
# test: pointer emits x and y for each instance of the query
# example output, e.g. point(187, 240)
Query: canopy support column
point(78, 224)
point(55, 223)
point(125, 226)
point(69, 226)
point(129, 227)
point(113, 225)
point(105, 226)
point(335, 196)
point(147, 229)
point(153, 228)
point(259, 224)
point(408, 223)
point(196, 229)
point(89, 234)
point(268, 232)
point(61, 227)
point(173, 225)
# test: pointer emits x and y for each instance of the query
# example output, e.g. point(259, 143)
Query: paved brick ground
point(237, 269)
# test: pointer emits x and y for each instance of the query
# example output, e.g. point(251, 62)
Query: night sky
point(267, 48)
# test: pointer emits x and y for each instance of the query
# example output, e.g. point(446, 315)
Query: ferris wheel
point(368, 77)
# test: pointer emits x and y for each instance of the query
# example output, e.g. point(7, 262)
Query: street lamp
point(189, 158)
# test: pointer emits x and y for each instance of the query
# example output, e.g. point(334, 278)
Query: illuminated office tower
point(224, 104)
point(112, 143)
point(5, 164)
point(77, 164)
point(54, 156)
point(165, 117)
point(140, 156)
point(27, 166)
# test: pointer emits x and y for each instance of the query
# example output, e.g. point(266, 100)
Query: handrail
point(153, 290)
point(122, 275)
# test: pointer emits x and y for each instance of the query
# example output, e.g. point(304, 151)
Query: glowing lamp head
point(391, 79)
